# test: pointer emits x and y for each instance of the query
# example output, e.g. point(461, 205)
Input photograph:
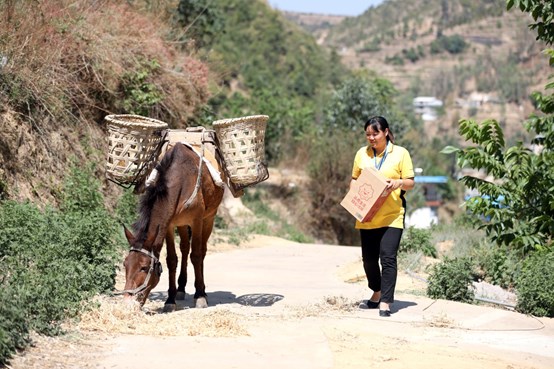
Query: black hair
point(378, 123)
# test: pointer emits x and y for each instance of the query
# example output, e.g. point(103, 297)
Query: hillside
point(66, 65)
point(488, 74)
point(69, 64)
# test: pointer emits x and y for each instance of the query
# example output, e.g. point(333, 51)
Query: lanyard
point(378, 167)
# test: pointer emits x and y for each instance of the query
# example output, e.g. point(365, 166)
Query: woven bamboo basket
point(134, 142)
point(241, 142)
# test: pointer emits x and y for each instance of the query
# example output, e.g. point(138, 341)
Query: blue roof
point(431, 179)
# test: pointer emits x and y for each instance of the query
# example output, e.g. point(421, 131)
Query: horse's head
point(142, 268)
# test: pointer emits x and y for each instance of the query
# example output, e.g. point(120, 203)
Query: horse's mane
point(153, 193)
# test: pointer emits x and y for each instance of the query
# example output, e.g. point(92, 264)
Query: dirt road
point(279, 304)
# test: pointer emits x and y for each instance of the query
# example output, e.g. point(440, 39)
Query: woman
point(381, 235)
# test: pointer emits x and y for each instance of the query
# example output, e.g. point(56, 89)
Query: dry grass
point(115, 316)
point(329, 306)
point(68, 64)
point(440, 321)
point(68, 59)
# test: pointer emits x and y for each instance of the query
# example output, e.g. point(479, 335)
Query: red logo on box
point(366, 191)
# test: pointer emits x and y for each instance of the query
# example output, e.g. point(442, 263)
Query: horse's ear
point(129, 235)
point(152, 237)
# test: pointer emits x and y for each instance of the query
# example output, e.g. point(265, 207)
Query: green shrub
point(454, 44)
point(81, 190)
point(535, 285)
point(418, 240)
point(140, 93)
point(14, 329)
point(54, 260)
point(126, 208)
point(451, 280)
point(499, 265)
point(394, 60)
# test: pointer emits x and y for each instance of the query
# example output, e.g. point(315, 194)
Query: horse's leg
point(185, 249)
point(198, 252)
point(172, 267)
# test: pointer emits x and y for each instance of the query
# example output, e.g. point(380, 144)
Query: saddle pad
point(209, 160)
point(193, 136)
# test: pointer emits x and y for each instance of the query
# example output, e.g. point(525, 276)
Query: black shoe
point(369, 304)
point(372, 304)
point(384, 312)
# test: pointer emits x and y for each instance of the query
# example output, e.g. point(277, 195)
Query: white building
point(427, 102)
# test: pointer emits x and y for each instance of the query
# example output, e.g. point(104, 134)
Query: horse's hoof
point(180, 295)
point(201, 303)
point(169, 308)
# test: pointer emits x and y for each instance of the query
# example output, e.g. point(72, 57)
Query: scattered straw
point(329, 305)
point(220, 323)
point(441, 321)
point(113, 315)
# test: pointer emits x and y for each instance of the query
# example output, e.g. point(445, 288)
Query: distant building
point(427, 107)
point(426, 216)
point(427, 102)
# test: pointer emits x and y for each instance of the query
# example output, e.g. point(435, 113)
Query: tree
point(358, 99)
point(542, 12)
point(517, 207)
point(202, 21)
point(334, 147)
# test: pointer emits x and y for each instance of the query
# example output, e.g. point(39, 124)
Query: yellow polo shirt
point(397, 164)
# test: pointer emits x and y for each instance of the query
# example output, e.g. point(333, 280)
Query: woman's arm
point(402, 183)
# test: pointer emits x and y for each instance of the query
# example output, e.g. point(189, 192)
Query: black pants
point(381, 243)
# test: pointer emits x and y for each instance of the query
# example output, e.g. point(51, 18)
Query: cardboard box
point(366, 195)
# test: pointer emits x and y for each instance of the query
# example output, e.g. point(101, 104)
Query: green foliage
point(359, 98)
point(418, 240)
point(126, 209)
point(81, 190)
point(543, 15)
point(516, 207)
point(451, 280)
point(499, 265)
point(394, 60)
point(3, 190)
point(336, 142)
point(53, 260)
point(201, 20)
point(535, 285)
point(14, 325)
point(412, 54)
point(267, 66)
point(454, 44)
point(371, 46)
point(140, 94)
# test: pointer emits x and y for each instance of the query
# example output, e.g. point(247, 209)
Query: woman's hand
point(394, 184)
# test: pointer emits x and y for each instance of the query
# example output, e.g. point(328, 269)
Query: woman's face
point(376, 139)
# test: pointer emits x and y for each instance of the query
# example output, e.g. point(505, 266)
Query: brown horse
point(184, 195)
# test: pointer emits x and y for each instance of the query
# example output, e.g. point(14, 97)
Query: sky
point(334, 7)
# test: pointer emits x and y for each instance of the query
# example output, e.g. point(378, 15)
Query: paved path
point(266, 281)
